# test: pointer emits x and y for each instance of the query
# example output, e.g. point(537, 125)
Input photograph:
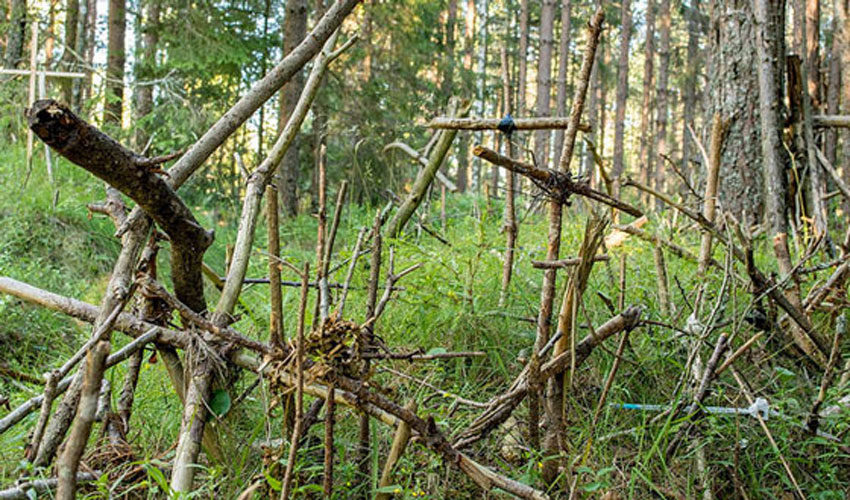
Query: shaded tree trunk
point(90, 32)
point(483, 14)
point(646, 148)
point(294, 31)
point(17, 31)
point(72, 13)
point(544, 79)
point(733, 92)
point(522, 69)
point(115, 63)
point(813, 51)
point(145, 69)
point(690, 94)
point(833, 87)
point(448, 77)
point(622, 91)
point(563, 64)
point(661, 106)
point(842, 12)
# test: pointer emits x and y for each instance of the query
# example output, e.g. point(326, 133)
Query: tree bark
point(17, 31)
point(294, 31)
point(544, 79)
point(522, 65)
point(114, 106)
point(448, 77)
point(690, 93)
point(733, 92)
point(833, 87)
point(813, 52)
point(145, 70)
point(842, 35)
point(661, 97)
point(72, 13)
point(645, 157)
point(88, 46)
point(563, 63)
point(622, 92)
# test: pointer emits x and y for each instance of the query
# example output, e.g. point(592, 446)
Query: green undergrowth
point(450, 303)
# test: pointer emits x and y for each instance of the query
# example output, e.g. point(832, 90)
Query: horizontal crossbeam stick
point(541, 123)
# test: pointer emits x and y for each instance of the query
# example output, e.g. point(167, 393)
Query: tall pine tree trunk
point(563, 64)
point(17, 31)
point(843, 34)
point(813, 51)
point(90, 32)
point(145, 69)
point(644, 159)
point(833, 87)
point(690, 97)
point(481, 63)
point(294, 31)
point(544, 79)
point(72, 12)
point(733, 92)
point(661, 107)
point(622, 91)
point(115, 63)
point(522, 69)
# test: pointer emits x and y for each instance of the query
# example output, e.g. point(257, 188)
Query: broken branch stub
point(86, 146)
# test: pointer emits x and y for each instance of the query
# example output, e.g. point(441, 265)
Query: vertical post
point(31, 94)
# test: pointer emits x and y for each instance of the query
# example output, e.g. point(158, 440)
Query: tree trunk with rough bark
point(145, 70)
point(622, 91)
point(842, 12)
point(294, 31)
point(661, 107)
point(563, 63)
point(72, 13)
point(17, 31)
point(544, 80)
point(114, 106)
point(646, 147)
point(733, 92)
point(690, 85)
point(813, 52)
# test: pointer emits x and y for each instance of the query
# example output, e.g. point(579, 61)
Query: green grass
point(451, 303)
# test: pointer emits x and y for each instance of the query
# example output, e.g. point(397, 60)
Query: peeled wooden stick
point(400, 439)
point(473, 123)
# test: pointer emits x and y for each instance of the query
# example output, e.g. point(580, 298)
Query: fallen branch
point(564, 263)
point(557, 185)
point(501, 407)
point(24, 490)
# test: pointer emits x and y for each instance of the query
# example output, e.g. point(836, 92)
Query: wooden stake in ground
point(510, 225)
point(299, 388)
point(400, 439)
point(553, 246)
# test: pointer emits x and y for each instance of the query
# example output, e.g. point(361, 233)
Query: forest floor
point(449, 304)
